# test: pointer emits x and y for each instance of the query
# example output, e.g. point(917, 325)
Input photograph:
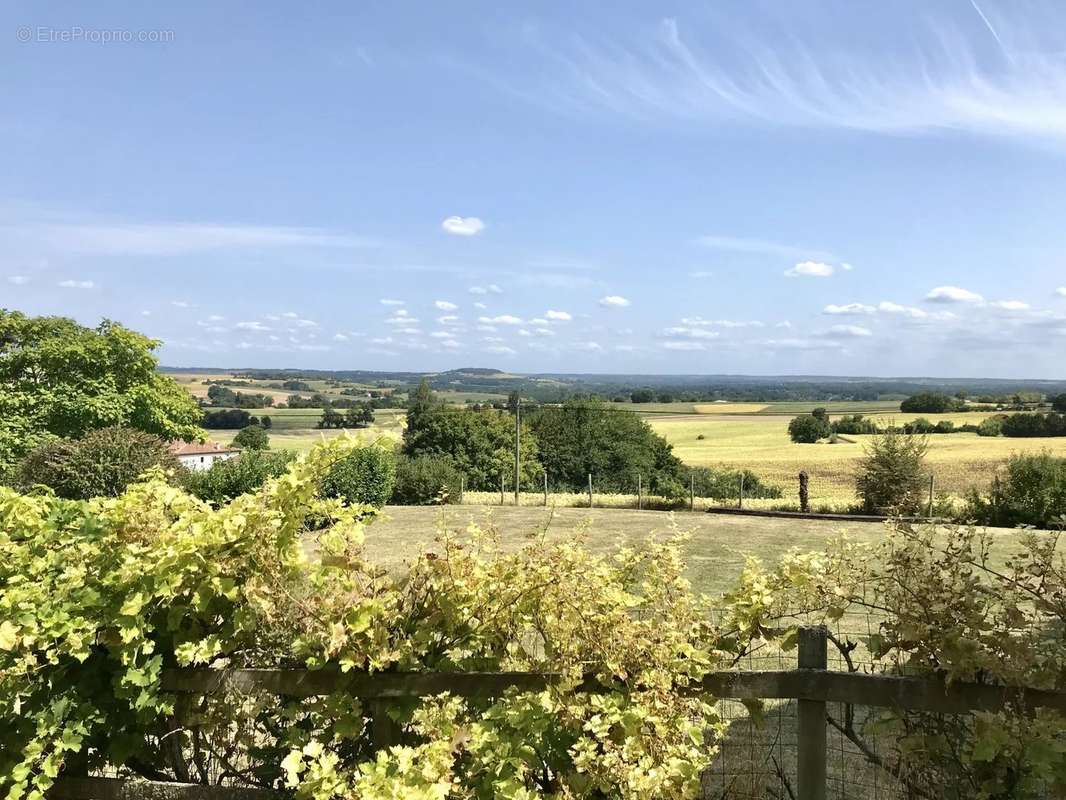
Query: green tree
point(236, 476)
point(61, 379)
point(366, 475)
point(331, 418)
point(892, 473)
point(100, 464)
point(587, 436)
point(1058, 403)
point(359, 416)
point(253, 437)
point(480, 444)
point(808, 429)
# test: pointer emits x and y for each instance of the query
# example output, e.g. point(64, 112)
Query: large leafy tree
point(583, 436)
point(61, 379)
point(480, 444)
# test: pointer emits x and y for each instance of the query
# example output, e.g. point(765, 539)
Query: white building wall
point(202, 461)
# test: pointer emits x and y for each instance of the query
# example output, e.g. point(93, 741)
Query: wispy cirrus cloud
point(945, 73)
point(175, 238)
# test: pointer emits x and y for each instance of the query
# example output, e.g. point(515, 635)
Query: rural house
point(199, 456)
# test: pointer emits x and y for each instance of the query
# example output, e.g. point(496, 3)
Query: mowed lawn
point(760, 442)
point(715, 553)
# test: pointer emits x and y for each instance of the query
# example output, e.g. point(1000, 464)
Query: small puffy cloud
point(953, 294)
point(385, 301)
point(846, 267)
point(305, 323)
point(492, 288)
point(340, 337)
point(591, 347)
point(559, 316)
point(722, 323)
point(448, 319)
point(179, 304)
point(849, 309)
point(463, 226)
point(887, 307)
point(502, 319)
point(450, 343)
point(146, 313)
point(444, 305)
point(18, 280)
point(848, 332)
point(543, 332)
point(73, 284)
point(404, 320)
point(689, 333)
point(809, 269)
point(215, 318)
point(1061, 291)
point(291, 315)
point(251, 326)
point(614, 301)
point(684, 345)
point(1011, 305)
point(442, 335)
point(480, 306)
point(500, 349)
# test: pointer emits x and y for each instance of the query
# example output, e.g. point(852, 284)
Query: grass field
point(959, 461)
point(715, 553)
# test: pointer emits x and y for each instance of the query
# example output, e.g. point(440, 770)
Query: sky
point(830, 188)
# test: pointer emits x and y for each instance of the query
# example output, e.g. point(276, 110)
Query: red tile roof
point(199, 449)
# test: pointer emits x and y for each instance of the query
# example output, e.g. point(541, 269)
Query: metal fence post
point(811, 750)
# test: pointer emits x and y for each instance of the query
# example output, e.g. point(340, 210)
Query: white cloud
point(592, 347)
point(1061, 291)
point(849, 309)
point(146, 313)
point(251, 326)
point(888, 307)
point(444, 305)
point(848, 332)
point(291, 315)
point(689, 333)
point(946, 79)
point(215, 318)
point(559, 316)
point(463, 226)
point(401, 320)
point(500, 350)
point(340, 337)
point(684, 345)
point(18, 280)
point(953, 294)
point(722, 323)
point(442, 335)
point(1011, 305)
point(492, 288)
point(389, 302)
point(448, 319)
point(480, 306)
point(846, 267)
point(73, 284)
point(614, 301)
point(450, 343)
point(810, 269)
point(543, 332)
point(760, 246)
point(502, 319)
point(166, 239)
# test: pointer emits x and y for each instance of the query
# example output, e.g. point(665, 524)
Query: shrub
point(236, 476)
point(367, 475)
point(724, 484)
point(992, 426)
point(1058, 403)
point(99, 598)
point(252, 437)
point(1033, 492)
point(226, 419)
point(1034, 425)
point(425, 480)
point(932, 403)
point(808, 429)
point(100, 464)
point(891, 475)
point(854, 425)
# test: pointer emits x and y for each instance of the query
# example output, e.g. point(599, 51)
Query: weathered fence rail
point(812, 685)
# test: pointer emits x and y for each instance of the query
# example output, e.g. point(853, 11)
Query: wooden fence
point(811, 685)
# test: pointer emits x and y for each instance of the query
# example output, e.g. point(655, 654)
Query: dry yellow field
point(730, 408)
point(959, 461)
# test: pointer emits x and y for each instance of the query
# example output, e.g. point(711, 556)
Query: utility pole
point(517, 449)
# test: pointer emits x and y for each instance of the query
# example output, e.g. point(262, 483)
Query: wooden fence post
point(640, 493)
point(462, 488)
point(805, 497)
point(545, 488)
point(590, 490)
point(810, 731)
point(932, 483)
point(501, 488)
point(692, 491)
point(384, 732)
point(740, 497)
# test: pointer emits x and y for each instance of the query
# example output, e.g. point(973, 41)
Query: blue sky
point(743, 187)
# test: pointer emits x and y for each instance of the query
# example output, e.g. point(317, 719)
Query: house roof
point(200, 449)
